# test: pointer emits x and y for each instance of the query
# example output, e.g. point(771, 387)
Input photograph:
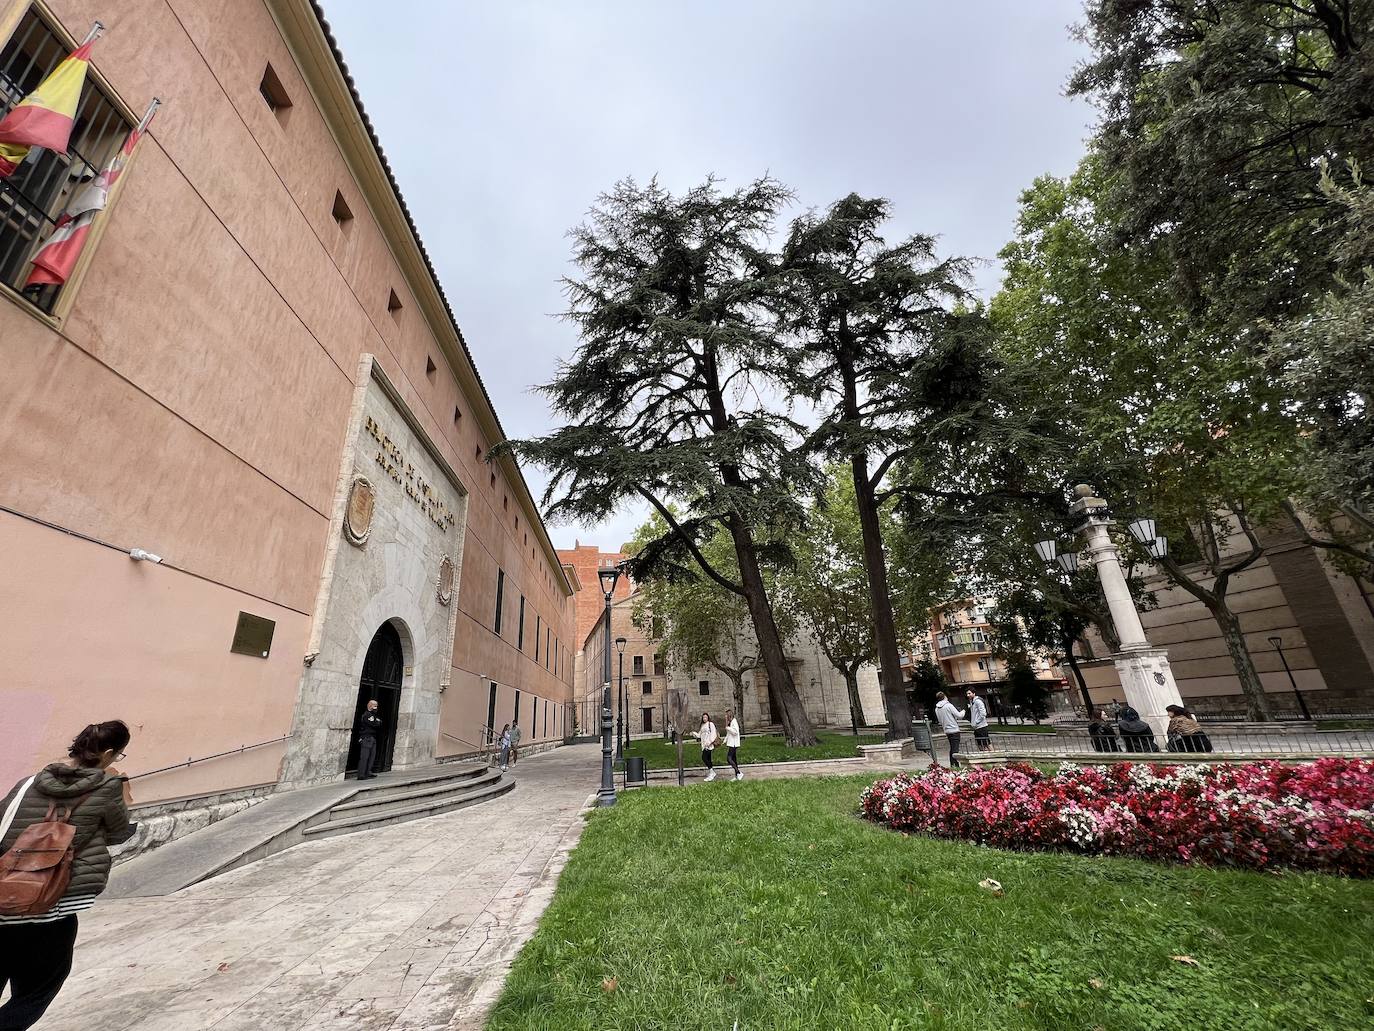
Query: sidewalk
point(408, 928)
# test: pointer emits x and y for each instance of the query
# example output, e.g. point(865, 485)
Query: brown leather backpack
point(35, 872)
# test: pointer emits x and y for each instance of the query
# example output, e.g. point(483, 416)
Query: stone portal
point(392, 561)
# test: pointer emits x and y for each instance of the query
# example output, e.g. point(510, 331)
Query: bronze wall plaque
point(253, 635)
point(445, 586)
point(362, 499)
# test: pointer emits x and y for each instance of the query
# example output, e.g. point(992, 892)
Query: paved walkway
point(408, 928)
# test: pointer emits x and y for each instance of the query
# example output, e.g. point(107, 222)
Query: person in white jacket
point(732, 742)
point(949, 718)
point(708, 737)
point(978, 719)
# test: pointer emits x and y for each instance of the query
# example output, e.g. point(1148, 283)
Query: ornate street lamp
point(606, 796)
point(1068, 561)
point(1143, 530)
point(1277, 642)
point(620, 700)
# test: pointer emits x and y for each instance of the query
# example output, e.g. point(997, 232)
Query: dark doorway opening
point(648, 717)
point(381, 680)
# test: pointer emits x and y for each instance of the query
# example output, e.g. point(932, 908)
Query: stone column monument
point(1144, 671)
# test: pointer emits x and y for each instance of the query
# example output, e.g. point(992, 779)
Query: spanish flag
point(56, 259)
point(44, 118)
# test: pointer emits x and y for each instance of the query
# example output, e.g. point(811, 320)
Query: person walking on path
point(1136, 734)
point(505, 746)
point(978, 719)
point(514, 743)
point(949, 717)
point(369, 726)
point(708, 737)
point(36, 948)
point(732, 742)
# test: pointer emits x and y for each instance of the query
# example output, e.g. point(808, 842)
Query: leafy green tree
point(661, 401)
point(1173, 419)
point(1237, 134)
point(1029, 693)
point(927, 680)
point(1215, 118)
point(1326, 372)
point(699, 622)
point(828, 586)
point(865, 315)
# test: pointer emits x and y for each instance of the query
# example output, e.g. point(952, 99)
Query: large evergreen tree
point(864, 315)
point(661, 398)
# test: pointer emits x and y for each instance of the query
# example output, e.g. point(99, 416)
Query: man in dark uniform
point(368, 729)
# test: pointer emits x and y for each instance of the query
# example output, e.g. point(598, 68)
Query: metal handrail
point(205, 758)
point(485, 750)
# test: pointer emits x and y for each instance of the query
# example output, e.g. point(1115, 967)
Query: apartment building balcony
point(962, 644)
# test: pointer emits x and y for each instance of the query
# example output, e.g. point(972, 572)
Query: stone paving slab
point(270, 826)
point(406, 928)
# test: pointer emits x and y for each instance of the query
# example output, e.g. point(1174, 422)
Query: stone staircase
point(385, 800)
point(308, 814)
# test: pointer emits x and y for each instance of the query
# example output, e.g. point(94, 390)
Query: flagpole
point(153, 105)
point(96, 29)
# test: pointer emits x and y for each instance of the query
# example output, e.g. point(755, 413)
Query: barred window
point(37, 194)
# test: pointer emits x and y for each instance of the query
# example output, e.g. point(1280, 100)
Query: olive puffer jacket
point(102, 820)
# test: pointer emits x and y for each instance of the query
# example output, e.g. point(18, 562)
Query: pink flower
point(1315, 816)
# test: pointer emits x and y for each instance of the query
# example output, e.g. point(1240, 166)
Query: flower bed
point(1262, 815)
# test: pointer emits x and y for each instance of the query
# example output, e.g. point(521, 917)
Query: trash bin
point(636, 770)
point(920, 736)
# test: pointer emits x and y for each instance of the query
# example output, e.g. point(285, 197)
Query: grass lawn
point(766, 748)
point(769, 903)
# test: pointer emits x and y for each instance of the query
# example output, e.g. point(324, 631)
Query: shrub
point(1315, 816)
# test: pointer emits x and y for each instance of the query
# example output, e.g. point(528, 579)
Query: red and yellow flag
point(55, 260)
point(44, 118)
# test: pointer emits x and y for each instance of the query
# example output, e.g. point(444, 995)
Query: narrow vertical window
point(520, 634)
point(500, 596)
point(537, 628)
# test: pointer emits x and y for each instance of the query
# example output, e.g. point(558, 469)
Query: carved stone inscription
point(393, 462)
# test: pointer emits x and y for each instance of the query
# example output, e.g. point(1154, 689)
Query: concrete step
point(273, 826)
point(394, 782)
point(400, 797)
point(327, 827)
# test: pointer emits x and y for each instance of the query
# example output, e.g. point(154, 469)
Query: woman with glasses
point(89, 793)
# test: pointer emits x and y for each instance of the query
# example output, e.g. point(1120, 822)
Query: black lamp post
point(1277, 642)
point(620, 734)
point(606, 796)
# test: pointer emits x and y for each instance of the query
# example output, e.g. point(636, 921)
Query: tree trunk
point(796, 725)
point(1256, 701)
point(884, 625)
point(856, 708)
point(737, 679)
point(875, 561)
point(1069, 657)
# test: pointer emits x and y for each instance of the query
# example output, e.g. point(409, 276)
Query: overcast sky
point(504, 119)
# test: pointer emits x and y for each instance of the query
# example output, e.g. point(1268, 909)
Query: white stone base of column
point(1149, 685)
